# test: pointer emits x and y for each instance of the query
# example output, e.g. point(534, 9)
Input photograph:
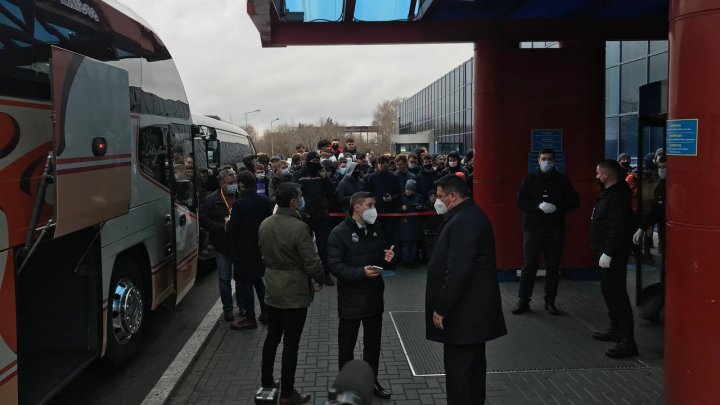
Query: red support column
point(517, 90)
point(692, 309)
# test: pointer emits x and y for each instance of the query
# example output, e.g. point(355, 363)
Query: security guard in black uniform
point(545, 197)
point(611, 232)
point(356, 256)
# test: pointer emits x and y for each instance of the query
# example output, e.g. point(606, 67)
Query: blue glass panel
point(611, 137)
point(13, 9)
point(629, 134)
point(43, 35)
point(612, 91)
point(315, 10)
point(381, 10)
point(8, 23)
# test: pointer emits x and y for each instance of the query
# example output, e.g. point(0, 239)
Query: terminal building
point(440, 115)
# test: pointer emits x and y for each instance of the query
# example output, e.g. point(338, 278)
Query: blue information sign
point(546, 138)
point(682, 137)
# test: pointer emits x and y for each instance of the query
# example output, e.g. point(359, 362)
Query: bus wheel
point(126, 312)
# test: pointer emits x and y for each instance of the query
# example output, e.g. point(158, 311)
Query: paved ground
point(227, 370)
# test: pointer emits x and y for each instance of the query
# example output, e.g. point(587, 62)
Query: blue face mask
point(260, 176)
point(232, 188)
point(343, 170)
point(302, 203)
point(546, 166)
point(286, 172)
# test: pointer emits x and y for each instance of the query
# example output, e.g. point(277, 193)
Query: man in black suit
point(462, 296)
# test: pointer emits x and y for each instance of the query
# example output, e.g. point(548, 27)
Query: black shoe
point(550, 307)
point(610, 335)
point(263, 318)
point(381, 392)
point(626, 348)
point(228, 316)
point(523, 305)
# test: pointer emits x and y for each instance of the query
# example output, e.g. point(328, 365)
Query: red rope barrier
point(391, 214)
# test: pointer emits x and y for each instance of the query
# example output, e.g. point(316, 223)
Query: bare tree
point(384, 117)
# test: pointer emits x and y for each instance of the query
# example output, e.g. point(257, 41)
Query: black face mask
point(625, 164)
point(600, 183)
point(335, 147)
point(428, 166)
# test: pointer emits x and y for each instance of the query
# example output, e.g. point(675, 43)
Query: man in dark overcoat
point(249, 210)
point(462, 298)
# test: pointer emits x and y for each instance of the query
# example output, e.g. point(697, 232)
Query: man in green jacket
point(291, 261)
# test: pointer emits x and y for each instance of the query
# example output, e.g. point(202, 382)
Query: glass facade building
point(629, 65)
point(445, 106)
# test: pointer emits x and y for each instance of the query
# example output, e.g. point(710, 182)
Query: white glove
point(638, 235)
point(544, 207)
point(551, 207)
point(605, 261)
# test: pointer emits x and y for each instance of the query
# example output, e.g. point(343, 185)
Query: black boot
point(550, 306)
point(610, 335)
point(523, 305)
point(625, 348)
point(381, 392)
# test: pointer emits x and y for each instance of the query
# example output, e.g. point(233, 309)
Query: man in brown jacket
point(291, 261)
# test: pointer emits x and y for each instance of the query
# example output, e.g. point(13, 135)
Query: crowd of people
point(284, 228)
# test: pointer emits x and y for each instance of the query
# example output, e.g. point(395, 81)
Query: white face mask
point(369, 216)
point(662, 173)
point(452, 164)
point(546, 166)
point(440, 207)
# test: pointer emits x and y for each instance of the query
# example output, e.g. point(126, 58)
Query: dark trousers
point(613, 283)
point(549, 244)
point(347, 336)
point(248, 298)
point(465, 368)
point(286, 324)
point(319, 226)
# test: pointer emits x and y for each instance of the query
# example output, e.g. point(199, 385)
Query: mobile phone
point(378, 268)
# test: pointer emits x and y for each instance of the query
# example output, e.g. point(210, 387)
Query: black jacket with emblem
point(462, 282)
point(349, 250)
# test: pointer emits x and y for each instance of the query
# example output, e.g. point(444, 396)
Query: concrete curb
point(176, 370)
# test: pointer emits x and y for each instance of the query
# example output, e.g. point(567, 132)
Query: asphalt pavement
point(167, 332)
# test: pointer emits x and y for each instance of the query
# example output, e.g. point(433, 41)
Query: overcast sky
point(225, 70)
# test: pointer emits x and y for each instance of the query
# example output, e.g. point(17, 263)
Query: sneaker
point(243, 324)
point(228, 315)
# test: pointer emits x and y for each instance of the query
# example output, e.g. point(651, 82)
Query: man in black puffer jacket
point(356, 254)
point(316, 189)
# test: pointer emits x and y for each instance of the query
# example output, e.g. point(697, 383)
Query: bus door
point(651, 261)
point(184, 208)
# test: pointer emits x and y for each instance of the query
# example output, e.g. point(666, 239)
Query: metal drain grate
point(536, 342)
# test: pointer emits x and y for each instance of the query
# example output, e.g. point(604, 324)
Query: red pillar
point(692, 329)
point(517, 90)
